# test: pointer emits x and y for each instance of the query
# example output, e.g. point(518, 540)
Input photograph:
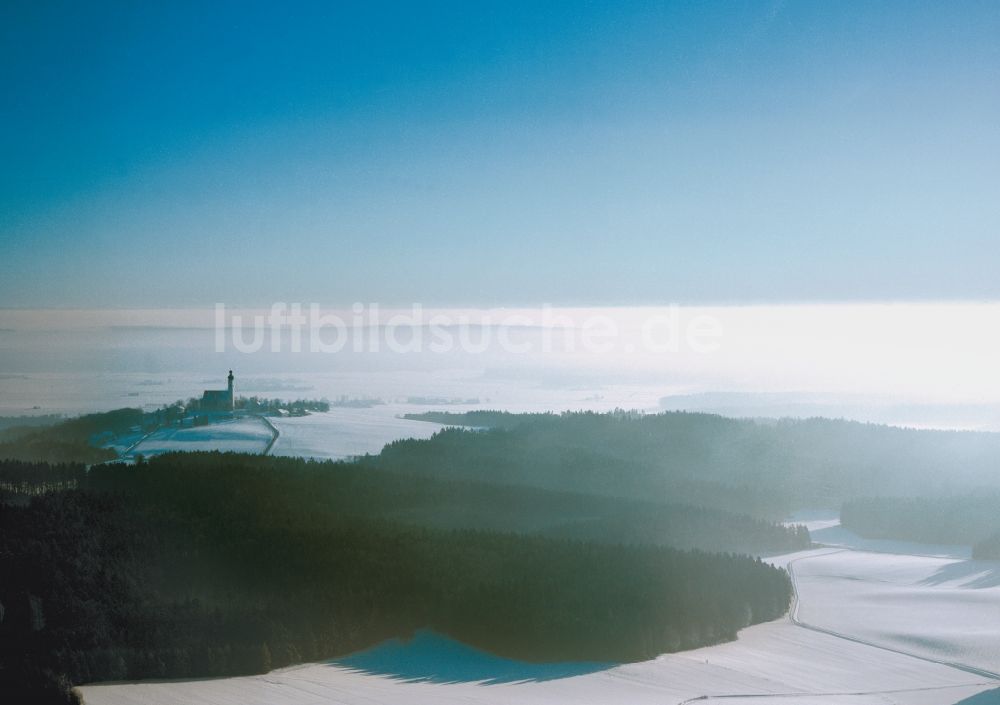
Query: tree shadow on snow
point(967, 574)
point(987, 697)
point(433, 658)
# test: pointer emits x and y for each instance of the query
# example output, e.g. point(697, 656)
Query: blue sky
point(182, 154)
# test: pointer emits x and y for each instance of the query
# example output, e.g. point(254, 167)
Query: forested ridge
point(361, 488)
point(218, 564)
point(762, 467)
point(970, 519)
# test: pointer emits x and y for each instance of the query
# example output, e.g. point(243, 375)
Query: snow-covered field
point(788, 663)
point(345, 432)
point(243, 435)
point(778, 663)
point(940, 608)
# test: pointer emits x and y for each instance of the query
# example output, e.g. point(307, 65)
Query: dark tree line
point(210, 564)
point(25, 478)
point(963, 519)
point(692, 514)
point(297, 407)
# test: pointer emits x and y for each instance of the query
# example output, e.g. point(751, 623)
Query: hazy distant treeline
point(27, 422)
point(220, 564)
point(767, 468)
point(297, 407)
point(68, 441)
point(972, 519)
point(988, 548)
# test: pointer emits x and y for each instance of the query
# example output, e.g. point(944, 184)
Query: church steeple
point(219, 399)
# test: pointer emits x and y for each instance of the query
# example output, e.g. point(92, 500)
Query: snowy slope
point(770, 664)
point(947, 609)
point(243, 435)
point(776, 659)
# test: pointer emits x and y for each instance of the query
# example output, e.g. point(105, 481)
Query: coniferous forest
point(219, 564)
point(765, 467)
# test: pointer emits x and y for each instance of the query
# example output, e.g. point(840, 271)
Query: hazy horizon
point(914, 364)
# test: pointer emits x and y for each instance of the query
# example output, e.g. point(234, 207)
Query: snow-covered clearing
point(249, 434)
